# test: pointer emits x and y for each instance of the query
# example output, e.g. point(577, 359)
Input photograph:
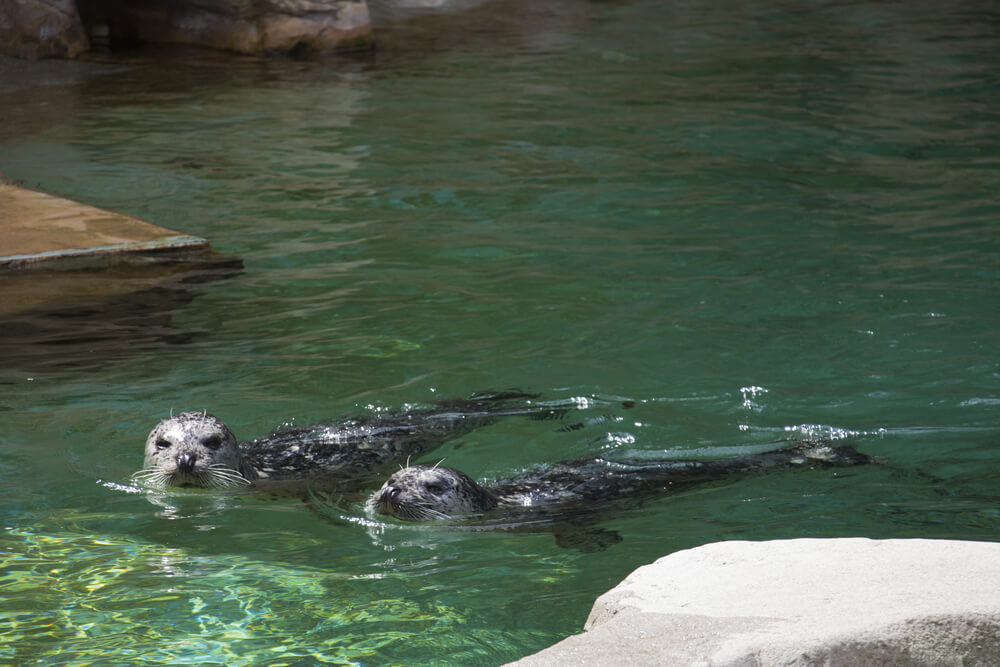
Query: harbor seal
point(428, 492)
point(197, 449)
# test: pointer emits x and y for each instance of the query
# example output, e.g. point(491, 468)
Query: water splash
point(750, 394)
point(824, 432)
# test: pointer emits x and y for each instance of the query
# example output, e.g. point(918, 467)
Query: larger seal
point(426, 492)
point(196, 449)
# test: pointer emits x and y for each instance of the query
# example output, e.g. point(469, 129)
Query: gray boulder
point(847, 601)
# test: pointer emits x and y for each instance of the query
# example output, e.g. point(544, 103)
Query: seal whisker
point(224, 472)
point(427, 512)
point(219, 475)
point(151, 478)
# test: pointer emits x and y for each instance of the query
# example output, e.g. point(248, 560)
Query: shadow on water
point(82, 319)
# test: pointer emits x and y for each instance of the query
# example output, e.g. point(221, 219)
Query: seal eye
point(436, 488)
point(212, 442)
point(162, 444)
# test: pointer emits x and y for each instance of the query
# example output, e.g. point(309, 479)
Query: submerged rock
point(799, 602)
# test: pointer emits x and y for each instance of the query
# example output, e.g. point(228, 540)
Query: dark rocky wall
point(36, 29)
point(59, 28)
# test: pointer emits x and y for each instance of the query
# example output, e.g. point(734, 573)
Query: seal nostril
point(186, 461)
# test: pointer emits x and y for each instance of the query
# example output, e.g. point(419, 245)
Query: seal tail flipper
point(507, 403)
point(826, 453)
point(812, 453)
point(505, 395)
point(497, 403)
point(515, 402)
point(568, 428)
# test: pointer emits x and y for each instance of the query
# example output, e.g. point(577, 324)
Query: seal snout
point(386, 497)
point(186, 461)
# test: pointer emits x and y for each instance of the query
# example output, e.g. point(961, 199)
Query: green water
point(754, 220)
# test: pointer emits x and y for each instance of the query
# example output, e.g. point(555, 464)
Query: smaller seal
point(424, 492)
point(428, 492)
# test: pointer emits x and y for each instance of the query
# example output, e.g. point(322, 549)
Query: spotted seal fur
point(194, 449)
point(428, 492)
point(197, 449)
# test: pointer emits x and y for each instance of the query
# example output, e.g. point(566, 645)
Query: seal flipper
point(586, 540)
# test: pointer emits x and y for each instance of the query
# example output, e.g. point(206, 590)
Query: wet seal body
point(197, 449)
point(571, 489)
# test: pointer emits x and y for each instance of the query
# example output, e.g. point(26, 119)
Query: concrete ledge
point(848, 601)
point(37, 228)
point(61, 257)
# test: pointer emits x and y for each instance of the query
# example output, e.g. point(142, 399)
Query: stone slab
point(851, 601)
point(38, 228)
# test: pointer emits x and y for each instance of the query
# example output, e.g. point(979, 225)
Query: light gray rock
point(36, 29)
point(850, 601)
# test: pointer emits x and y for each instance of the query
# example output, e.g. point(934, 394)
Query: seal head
point(425, 492)
point(193, 449)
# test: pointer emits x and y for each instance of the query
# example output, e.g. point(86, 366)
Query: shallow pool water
point(697, 227)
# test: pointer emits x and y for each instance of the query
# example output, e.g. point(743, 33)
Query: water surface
point(754, 221)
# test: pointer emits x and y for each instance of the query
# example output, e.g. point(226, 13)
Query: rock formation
point(58, 28)
point(36, 29)
point(802, 602)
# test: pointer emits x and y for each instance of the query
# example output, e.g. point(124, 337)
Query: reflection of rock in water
point(409, 29)
point(80, 284)
point(83, 319)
